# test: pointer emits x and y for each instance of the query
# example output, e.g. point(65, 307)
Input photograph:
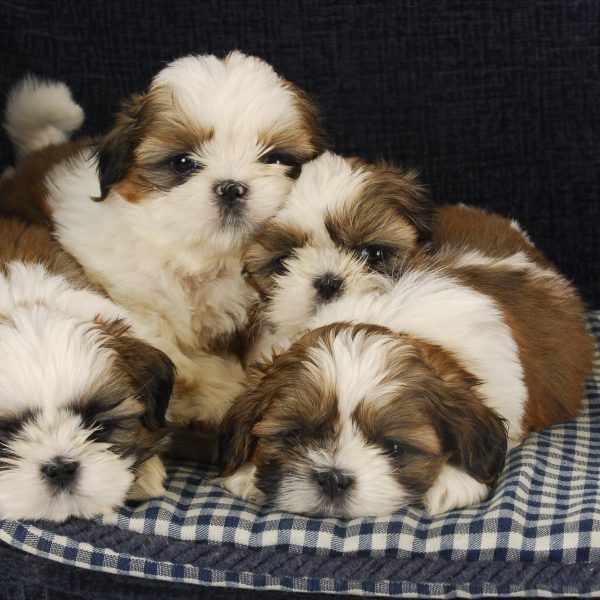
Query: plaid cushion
point(545, 509)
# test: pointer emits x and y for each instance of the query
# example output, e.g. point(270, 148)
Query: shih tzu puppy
point(412, 394)
point(160, 211)
point(82, 396)
point(347, 226)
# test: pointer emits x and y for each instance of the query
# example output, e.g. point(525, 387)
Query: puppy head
point(346, 226)
point(82, 405)
point(210, 151)
point(354, 421)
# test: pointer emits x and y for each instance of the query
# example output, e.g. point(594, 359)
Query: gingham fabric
point(545, 510)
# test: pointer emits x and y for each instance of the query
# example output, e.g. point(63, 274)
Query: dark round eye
point(278, 265)
point(394, 449)
point(373, 255)
point(184, 164)
point(103, 426)
point(278, 158)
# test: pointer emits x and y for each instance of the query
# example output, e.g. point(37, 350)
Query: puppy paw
point(241, 484)
point(454, 489)
point(149, 482)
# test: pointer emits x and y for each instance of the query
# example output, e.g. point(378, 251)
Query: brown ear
point(236, 442)
point(152, 371)
point(115, 150)
point(311, 120)
point(403, 188)
point(475, 436)
point(472, 433)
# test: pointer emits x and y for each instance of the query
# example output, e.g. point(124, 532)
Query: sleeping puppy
point(82, 396)
point(414, 394)
point(160, 211)
point(347, 226)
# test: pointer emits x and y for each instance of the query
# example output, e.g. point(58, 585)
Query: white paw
point(149, 482)
point(454, 489)
point(241, 484)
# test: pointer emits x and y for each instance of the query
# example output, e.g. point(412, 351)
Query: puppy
point(82, 397)
point(347, 226)
point(415, 394)
point(160, 211)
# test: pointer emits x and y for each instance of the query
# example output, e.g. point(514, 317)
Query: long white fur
point(439, 309)
point(51, 355)
point(166, 258)
point(40, 113)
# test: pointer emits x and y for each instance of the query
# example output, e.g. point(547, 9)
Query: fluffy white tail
point(40, 113)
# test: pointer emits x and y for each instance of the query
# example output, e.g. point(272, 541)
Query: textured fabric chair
point(498, 104)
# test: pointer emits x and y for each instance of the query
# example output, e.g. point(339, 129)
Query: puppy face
point(210, 151)
point(346, 227)
point(81, 408)
point(354, 421)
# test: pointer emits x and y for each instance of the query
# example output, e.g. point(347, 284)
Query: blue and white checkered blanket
point(545, 510)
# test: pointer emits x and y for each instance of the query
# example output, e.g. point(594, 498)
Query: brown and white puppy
point(347, 226)
point(414, 394)
point(82, 397)
point(161, 210)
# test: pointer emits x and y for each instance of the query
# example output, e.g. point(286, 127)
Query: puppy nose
point(328, 286)
point(333, 483)
point(60, 472)
point(230, 192)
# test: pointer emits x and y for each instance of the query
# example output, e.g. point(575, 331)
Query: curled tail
point(39, 114)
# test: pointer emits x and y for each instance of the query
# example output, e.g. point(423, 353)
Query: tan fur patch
point(35, 244)
point(149, 133)
point(473, 229)
point(542, 309)
point(23, 194)
point(546, 318)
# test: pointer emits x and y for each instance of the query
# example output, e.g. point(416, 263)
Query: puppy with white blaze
point(160, 211)
point(82, 397)
point(347, 226)
point(414, 392)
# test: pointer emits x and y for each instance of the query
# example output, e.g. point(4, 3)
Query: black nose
point(333, 483)
point(60, 472)
point(230, 192)
point(328, 286)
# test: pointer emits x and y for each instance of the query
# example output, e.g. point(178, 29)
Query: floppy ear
point(236, 442)
point(152, 371)
point(404, 190)
point(115, 150)
point(473, 434)
point(311, 120)
point(155, 374)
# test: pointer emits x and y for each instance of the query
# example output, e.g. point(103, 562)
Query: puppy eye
point(103, 426)
point(279, 158)
point(184, 164)
point(394, 449)
point(374, 256)
point(278, 265)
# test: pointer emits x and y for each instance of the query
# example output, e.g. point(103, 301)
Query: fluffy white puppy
point(82, 396)
point(160, 211)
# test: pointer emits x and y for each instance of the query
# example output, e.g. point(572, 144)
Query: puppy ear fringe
point(115, 149)
point(236, 442)
point(151, 370)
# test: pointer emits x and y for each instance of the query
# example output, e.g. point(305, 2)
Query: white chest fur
point(182, 297)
